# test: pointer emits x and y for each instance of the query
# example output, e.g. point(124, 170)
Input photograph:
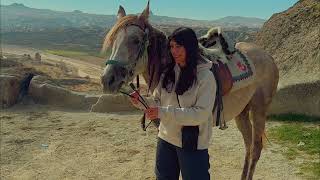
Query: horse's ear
point(121, 12)
point(145, 14)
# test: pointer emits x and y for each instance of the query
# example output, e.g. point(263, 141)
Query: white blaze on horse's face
point(127, 50)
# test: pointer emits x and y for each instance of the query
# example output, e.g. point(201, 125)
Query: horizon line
point(84, 12)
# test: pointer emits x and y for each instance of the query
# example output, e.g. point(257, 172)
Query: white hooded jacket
point(196, 107)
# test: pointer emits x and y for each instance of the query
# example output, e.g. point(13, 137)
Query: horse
point(138, 48)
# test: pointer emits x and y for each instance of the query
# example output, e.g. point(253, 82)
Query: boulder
point(9, 88)
point(112, 103)
point(292, 38)
point(44, 93)
point(37, 57)
point(297, 99)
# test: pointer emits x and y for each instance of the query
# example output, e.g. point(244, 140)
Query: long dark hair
point(187, 38)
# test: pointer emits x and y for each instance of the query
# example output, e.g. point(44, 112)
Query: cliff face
point(292, 37)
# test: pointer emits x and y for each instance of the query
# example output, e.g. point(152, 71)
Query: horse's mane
point(157, 49)
point(157, 55)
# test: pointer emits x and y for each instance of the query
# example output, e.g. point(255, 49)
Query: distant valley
point(18, 17)
point(43, 28)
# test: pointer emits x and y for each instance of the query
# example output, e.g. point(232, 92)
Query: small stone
point(301, 144)
point(306, 134)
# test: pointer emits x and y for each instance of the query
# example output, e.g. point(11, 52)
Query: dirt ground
point(44, 142)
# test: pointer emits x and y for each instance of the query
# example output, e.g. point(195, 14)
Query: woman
point(183, 101)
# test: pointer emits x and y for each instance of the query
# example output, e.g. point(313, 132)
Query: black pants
point(170, 159)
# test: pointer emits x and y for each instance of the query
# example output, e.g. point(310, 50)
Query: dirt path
point(85, 68)
point(39, 142)
point(91, 67)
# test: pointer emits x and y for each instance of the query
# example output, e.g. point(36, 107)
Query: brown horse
point(138, 48)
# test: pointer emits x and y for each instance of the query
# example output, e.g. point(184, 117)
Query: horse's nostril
point(111, 80)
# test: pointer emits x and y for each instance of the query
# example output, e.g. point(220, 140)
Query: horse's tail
point(264, 139)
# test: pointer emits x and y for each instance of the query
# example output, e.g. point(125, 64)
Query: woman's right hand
point(134, 98)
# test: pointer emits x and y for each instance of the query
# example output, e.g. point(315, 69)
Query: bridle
point(143, 53)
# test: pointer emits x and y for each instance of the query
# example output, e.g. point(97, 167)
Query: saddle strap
point(225, 77)
point(218, 103)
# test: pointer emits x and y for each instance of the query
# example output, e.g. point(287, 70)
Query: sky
point(192, 9)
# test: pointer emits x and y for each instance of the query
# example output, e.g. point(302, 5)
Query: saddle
point(223, 76)
point(224, 84)
point(231, 75)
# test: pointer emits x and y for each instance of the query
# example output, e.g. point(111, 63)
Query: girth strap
point(218, 104)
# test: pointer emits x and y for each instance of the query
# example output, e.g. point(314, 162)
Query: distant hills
point(18, 17)
point(240, 21)
point(44, 28)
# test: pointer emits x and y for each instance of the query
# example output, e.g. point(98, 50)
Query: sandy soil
point(40, 142)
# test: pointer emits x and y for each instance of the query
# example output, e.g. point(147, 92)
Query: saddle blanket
point(242, 70)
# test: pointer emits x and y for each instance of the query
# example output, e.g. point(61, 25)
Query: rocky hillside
point(293, 39)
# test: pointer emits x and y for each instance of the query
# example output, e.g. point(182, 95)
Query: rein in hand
point(142, 101)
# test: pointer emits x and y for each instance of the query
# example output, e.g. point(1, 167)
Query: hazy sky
point(193, 9)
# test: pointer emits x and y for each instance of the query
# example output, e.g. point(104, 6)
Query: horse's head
point(135, 48)
point(216, 39)
point(127, 43)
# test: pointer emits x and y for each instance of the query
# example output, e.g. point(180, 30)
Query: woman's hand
point(134, 98)
point(152, 113)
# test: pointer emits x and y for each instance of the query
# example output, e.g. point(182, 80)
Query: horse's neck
point(143, 62)
point(157, 58)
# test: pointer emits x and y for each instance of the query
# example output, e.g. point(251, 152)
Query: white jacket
point(196, 107)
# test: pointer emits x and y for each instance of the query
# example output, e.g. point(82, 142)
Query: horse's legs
point(244, 126)
point(258, 112)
